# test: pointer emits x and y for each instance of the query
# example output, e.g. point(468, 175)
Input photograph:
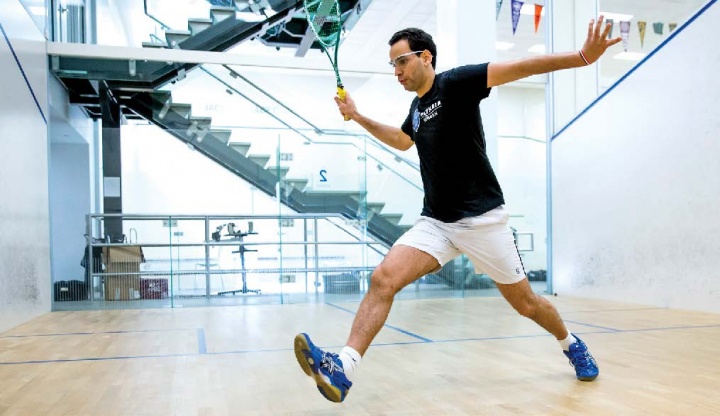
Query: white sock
point(350, 360)
point(565, 343)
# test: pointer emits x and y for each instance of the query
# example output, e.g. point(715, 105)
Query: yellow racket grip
point(341, 95)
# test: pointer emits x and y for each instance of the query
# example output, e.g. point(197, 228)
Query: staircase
point(177, 119)
point(135, 86)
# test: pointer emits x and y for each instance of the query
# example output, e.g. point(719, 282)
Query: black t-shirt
point(445, 125)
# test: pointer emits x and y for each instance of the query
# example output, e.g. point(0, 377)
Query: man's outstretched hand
point(597, 42)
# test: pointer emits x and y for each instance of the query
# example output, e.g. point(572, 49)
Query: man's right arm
point(391, 136)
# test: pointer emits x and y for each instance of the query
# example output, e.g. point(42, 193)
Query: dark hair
point(417, 39)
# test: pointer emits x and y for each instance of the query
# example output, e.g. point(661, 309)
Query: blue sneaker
point(585, 367)
point(324, 367)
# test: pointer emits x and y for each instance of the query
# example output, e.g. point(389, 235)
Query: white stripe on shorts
point(486, 239)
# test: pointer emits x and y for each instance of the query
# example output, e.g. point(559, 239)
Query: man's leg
point(402, 266)
point(333, 372)
point(528, 304)
point(540, 310)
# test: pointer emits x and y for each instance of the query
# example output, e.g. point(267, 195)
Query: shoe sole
point(587, 378)
point(304, 358)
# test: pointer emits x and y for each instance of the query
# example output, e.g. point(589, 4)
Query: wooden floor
point(470, 356)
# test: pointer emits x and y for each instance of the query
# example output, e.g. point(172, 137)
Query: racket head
point(325, 20)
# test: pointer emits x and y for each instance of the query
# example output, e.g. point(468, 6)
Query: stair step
point(222, 135)
point(375, 206)
point(156, 45)
point(202, 122)
point(282, 170)
point(241, 5)
point(241, 148)
point(197, 25)
point(182, 109)
point(359, 197)
point(261, 160)
point(352, 194)
point(161, 97)
point(175, 37)
point(393, 218)
point(220, 13)
point(298, 184)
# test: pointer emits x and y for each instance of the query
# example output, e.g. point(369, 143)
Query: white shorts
point(486, 239)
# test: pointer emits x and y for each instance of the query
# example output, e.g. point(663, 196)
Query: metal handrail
point(315, 128)
point(328, 132)
point(319, 130)
point(209, 242)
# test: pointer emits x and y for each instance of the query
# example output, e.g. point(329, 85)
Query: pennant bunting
point(538, 13)
point(516, 6)
point(658, 28)
point(641, 28)
point(625, 34)
point(611, 22)
point(672, 26)
point(498, 6)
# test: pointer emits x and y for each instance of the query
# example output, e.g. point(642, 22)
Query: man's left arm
point(595, 46)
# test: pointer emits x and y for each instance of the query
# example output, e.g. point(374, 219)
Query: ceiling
point(368, 40)
point(365, 47)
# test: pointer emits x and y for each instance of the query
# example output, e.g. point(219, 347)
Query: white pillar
point(466, 34)
point(572, 90)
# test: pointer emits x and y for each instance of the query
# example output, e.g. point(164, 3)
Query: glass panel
point(37, 10)
point(70, 21)
point(179, 23)
point(525, 40)
point(325, 204)
point(126, 271)
point(648, 24)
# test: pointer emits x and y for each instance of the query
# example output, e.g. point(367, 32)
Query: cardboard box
point(122, 268)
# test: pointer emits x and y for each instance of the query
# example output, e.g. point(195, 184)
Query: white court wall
point(24, 206)
point(635, 182)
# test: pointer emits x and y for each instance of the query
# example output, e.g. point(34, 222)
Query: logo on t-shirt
point(426, 115)
point(430, 112)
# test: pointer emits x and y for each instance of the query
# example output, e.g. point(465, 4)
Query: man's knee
point(383, 282)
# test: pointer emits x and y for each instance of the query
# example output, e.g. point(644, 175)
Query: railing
point(291, 254)
point(365, 139)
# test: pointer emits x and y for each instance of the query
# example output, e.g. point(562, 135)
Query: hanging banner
point(641, 27)
point(516, 6)
point(611, 22)
point(658, 28)
point(538, 13)
point(625, 34)
point(672, 26)
point(498, 6)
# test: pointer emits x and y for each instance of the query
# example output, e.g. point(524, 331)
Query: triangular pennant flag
point(625, 33)
point(611, 22)
point(516, 6)
point(641, 27)
point(538, 13)
point(498, 6)
point(658, 28)
point(672, 26)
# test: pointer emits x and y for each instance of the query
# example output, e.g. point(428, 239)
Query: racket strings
point(324, 17)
